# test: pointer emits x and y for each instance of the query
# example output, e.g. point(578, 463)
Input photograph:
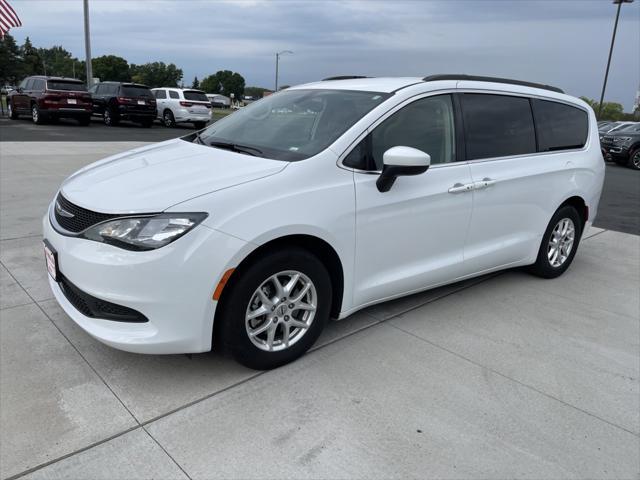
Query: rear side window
point(560, 126)
point(173, 94)
point(68, 86)
point(161, 93)
point(497, 126)
point(136, 91)
point(195, 95)
point(38, 84)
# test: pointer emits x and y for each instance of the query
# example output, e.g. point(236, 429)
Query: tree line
point(20, 61)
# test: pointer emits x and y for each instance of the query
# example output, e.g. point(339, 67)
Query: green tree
point(10, 61)
point(225, 82)
point(610, 110)
point(196, 83)
point(58, 62)
point(111, 68)
point(156, 74)
point(31, 60)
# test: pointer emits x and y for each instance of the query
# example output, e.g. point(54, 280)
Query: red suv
point(50, 98)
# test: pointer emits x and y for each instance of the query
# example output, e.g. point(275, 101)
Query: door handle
point(486, 182)
point(461, 188)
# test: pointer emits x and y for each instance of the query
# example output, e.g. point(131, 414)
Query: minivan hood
point(153, 178)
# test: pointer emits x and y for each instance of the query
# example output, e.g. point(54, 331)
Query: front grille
point(93, 307)
point(81, 218)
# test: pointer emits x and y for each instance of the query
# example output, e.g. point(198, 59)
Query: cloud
point(556, 42)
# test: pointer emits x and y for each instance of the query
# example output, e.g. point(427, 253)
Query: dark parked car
point(623, 146)
point(50, 98)
point(115, 101)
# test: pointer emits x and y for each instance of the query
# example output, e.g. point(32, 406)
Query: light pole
point(283, 52)
point(613, 39)
point(87, 44)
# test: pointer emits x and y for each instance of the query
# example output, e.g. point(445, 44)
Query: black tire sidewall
point(235, 304)
point(630, 161)
point(172, 121)
point(543, 267)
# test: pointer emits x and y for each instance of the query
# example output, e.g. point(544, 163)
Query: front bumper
point(171, 286)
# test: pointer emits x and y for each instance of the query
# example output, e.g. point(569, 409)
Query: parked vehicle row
point(50, 98)
point(622, 145)
point(316, 202)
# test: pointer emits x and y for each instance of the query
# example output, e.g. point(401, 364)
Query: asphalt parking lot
point(505, 376)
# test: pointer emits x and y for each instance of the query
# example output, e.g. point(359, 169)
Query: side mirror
point(401, 161)
point(19, 89)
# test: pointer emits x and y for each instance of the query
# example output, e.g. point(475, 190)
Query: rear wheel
point(276, 309)
point(109, 117)
point(36, 115)
point(559, 243)
point(167, 119)
point(13, 115)
point(634, 159)
point(199, 125)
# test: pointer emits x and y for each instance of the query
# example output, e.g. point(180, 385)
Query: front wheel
point(110, 117)
point(559, 243)
point(634, 159)
point(276, 309)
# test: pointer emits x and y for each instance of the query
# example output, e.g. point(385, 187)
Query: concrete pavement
point(506, 376)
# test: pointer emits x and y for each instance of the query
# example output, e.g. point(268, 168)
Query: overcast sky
point(559, 42)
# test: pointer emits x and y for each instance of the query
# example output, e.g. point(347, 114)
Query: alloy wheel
point(34, 113)
point(281, 310)
point(106, 117)
point(168, 121)
point(561, 242)
point(635, 160)
point(9, 110)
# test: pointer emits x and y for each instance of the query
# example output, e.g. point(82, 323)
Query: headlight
point(621, 139)
point(144, 233)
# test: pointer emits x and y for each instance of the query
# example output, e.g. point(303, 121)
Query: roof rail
point(344, 77)
point(476, 78)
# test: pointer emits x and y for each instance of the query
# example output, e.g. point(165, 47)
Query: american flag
point(8, 18)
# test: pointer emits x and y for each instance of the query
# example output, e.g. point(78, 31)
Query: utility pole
point(613, 40)
point(87, 44)
point(284, 52)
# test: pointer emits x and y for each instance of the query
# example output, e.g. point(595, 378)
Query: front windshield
point(293, 124)
point(634, 127)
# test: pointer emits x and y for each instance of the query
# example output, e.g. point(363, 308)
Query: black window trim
point(459, 125)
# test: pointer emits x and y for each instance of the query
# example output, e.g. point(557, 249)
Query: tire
point(13, 115)
point(85, 121)
point(199, 125)
point(552, 263)
point(634, 159)
point(36, 116)
point(168, 119)
point(243, 297)
point(110, 117)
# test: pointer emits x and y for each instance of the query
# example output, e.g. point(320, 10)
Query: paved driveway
point(506, 376)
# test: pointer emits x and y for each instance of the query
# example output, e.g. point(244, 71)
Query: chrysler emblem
point(62, 212)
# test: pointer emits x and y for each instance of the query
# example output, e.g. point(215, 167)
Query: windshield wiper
point(256, 152)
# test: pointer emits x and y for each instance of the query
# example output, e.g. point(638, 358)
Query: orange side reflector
point(223, 281)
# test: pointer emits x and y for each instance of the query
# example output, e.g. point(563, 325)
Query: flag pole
point(87, 44)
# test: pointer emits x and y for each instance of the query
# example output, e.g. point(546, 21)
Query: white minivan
point(316, 202)
point(177, 105)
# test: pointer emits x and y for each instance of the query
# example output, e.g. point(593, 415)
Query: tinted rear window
point(136, 91)
point(195, 95)
point(560, 126)
point(497, 126)
point(69, 86)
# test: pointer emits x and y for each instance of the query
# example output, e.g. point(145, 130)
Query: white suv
point(176, 105)
point(318, 201)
